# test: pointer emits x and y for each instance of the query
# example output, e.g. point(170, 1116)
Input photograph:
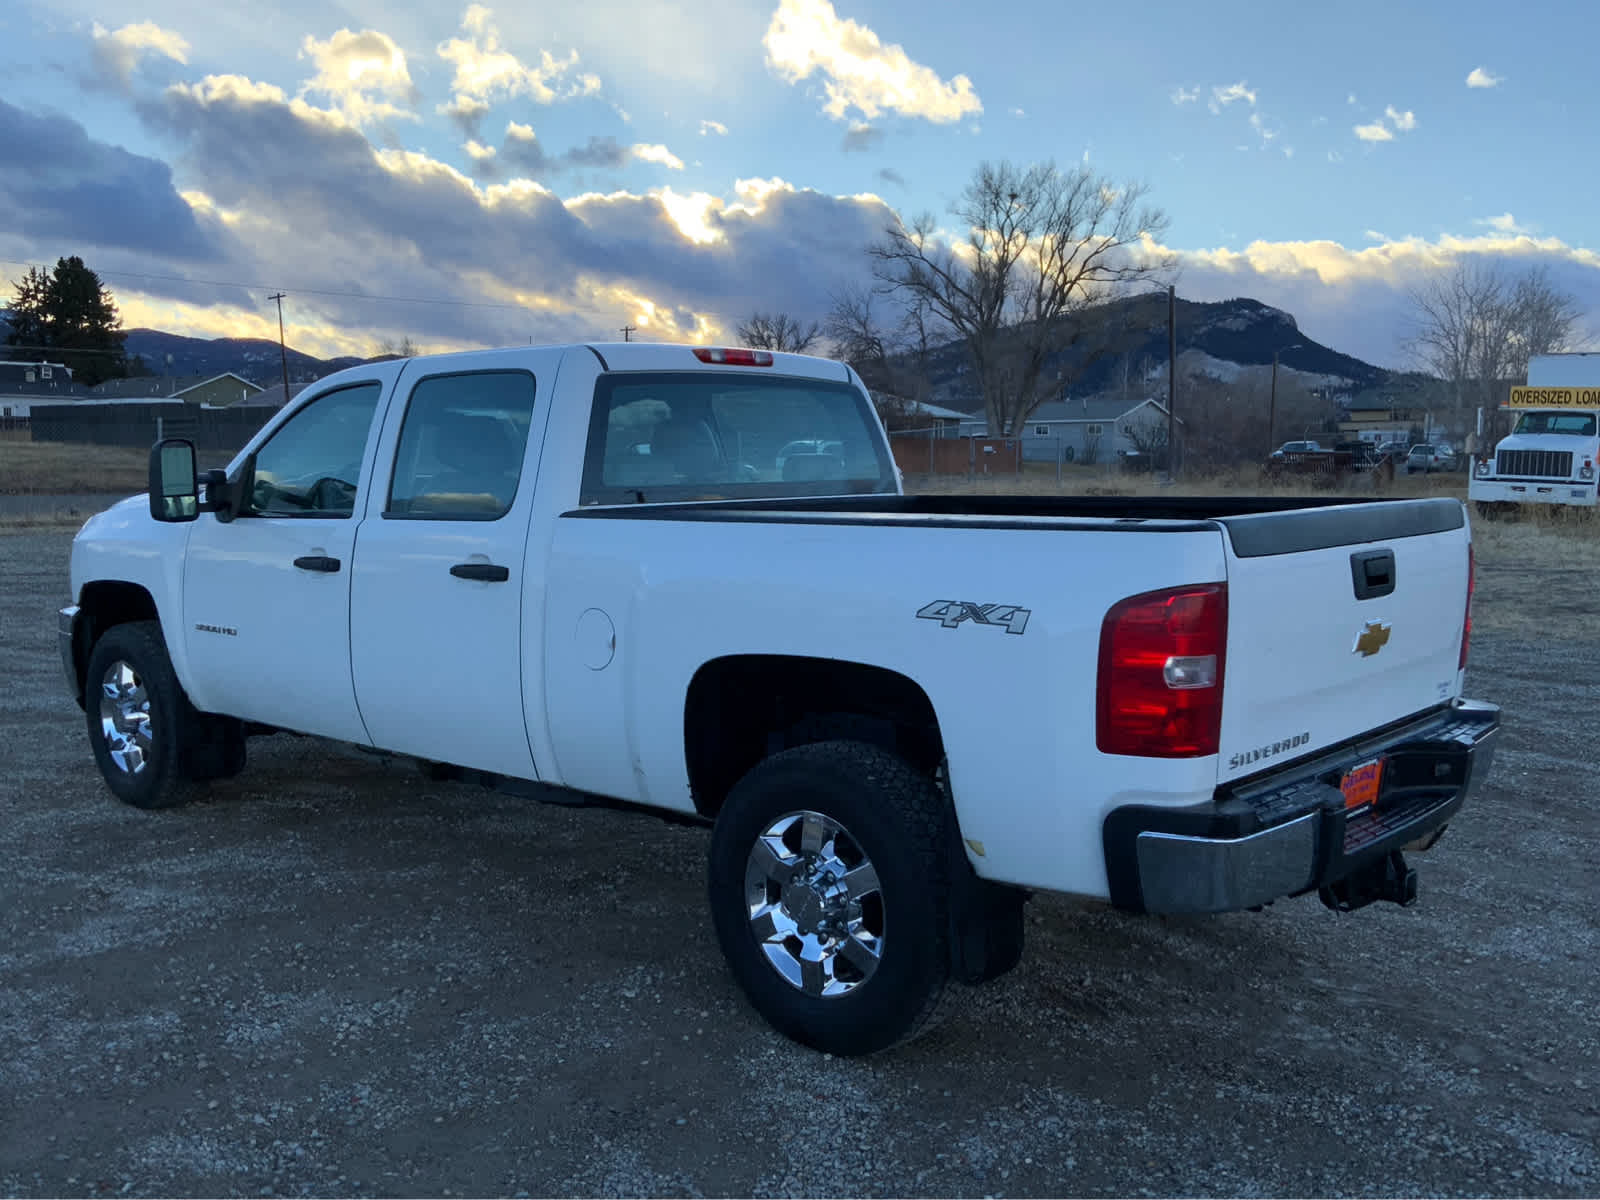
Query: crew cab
point(688, 579)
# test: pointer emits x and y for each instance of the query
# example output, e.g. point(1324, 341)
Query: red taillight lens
point(733, 358)
point(1466, 622)
point(1160, 678)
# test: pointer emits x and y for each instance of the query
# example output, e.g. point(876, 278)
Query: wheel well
point(102, 604)
point(741, 709)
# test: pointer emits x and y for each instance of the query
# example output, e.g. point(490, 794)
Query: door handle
point(317, 562)
point(1373, 573)
point(486, 572)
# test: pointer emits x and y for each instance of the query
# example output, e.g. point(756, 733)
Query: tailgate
point(1340, 620)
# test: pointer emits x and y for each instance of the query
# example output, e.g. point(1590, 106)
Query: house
point(923, 419)
point(1092, 428)
point(33, 372)
point(218, 391)
point(23, 384)
point(272, 397)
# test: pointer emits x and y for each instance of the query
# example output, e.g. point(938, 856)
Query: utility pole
point(1272, 403)
point(283, 353)
point(1172, 381)
point(627, 333)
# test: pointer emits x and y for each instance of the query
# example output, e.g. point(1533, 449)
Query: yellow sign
point(1554, 397)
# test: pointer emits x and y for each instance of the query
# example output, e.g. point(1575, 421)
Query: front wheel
point(829, 892)
point(140, 722)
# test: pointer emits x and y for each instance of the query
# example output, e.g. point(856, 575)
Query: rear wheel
point(142, 727)
point(829, 892)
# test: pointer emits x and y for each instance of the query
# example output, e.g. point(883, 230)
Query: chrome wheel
point(125, 718)
point(815, 904)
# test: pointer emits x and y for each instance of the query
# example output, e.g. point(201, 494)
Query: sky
point(481, 174)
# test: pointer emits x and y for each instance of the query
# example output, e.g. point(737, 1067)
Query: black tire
point(167, 775)
point(897, 819)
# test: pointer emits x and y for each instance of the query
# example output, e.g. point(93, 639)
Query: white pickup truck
point(583, 568)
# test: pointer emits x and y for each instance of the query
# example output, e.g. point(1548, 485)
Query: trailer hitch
point(1386, 879)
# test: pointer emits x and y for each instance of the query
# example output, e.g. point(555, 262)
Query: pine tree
point(69, 316)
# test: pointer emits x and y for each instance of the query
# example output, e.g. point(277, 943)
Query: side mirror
point(174, 482)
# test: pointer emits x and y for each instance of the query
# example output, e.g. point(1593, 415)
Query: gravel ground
point(336, 977)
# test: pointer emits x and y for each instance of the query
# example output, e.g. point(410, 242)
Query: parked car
point(1301, 447)
point(1429, 456)
point(897, 714)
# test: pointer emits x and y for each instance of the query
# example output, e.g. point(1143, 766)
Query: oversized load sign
point(1554, 397)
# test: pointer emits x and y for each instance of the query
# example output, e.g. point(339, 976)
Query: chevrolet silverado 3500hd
point(688, 579)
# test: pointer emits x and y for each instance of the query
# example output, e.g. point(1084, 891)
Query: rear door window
point(462, 446)
point(667, 436)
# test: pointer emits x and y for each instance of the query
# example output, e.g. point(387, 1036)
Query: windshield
point(665, 436)
point(1577, 424)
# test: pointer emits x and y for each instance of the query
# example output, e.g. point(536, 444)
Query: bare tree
point(1476, 329)
point(888, 357)
point(857, 335)
point(406, 348)
point(1043, 248)
point(777, 331)
point(1545, 320)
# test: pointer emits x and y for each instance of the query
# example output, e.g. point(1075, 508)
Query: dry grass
point(49, 468)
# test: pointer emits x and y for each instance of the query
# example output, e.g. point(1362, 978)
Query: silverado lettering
point(1268, 751)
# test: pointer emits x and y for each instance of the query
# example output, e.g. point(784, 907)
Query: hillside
point(256, 359)
point(1241, 332)
point(1221, 336)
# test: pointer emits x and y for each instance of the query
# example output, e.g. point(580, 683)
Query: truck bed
point(1256, 525)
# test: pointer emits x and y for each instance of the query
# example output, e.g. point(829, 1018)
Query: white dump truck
point(1552, 455)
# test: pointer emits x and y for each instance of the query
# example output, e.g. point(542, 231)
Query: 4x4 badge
point(1371, 639)
point(950, 613)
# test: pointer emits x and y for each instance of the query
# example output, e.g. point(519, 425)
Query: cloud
point(1404, 121)
point(1480, 78)
point(117, 54)
point(1377, 131)
point(716, 127)
point(861, 137)
point(59, 186)
point(1017, 112)
point(405, 224)
point(654, 153)
point(1222, 96)
point(1182, 96)
point(486, 73)
point(1505, 223)
point(859, 72)
point(364, 75)
point(890, 175)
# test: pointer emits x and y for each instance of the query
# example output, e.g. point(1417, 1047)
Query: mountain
point(1219, 338)
point(255, 359)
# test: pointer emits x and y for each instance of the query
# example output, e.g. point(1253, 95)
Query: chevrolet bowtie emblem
point(1371, 639)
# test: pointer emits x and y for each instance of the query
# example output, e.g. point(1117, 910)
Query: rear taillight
point(733, 358)
point(1466, 621)
point(1160, 677)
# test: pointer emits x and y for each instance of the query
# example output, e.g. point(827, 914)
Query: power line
point(261, 287)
